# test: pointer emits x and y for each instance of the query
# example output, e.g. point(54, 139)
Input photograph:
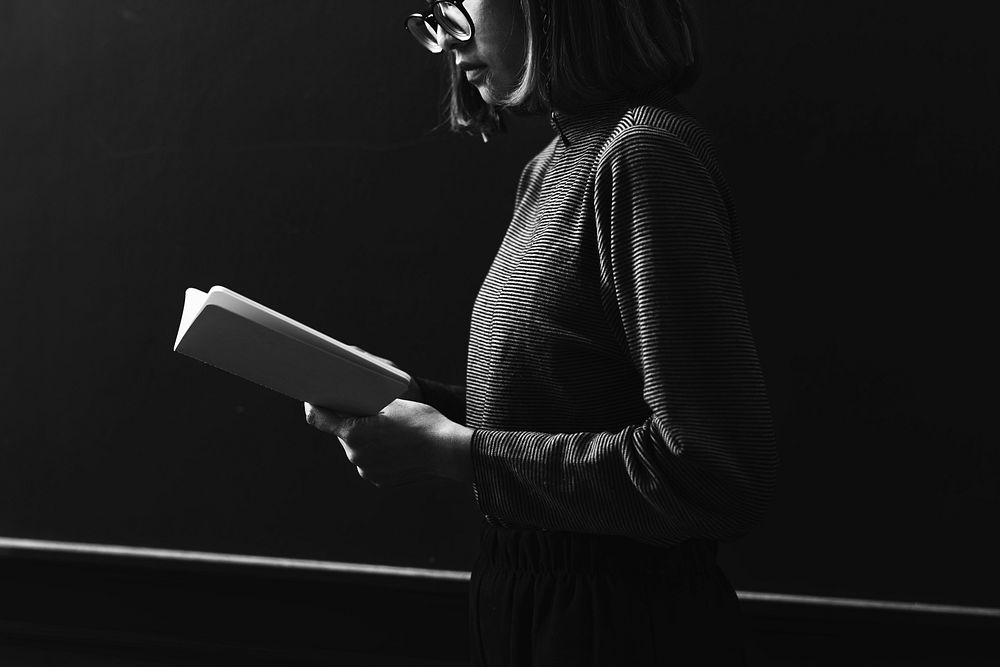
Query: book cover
point(235, 334)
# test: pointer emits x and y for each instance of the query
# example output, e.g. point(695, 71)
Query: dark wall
point(861, 141)
point(287, 150)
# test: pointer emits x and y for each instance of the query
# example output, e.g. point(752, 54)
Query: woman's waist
point(532, 550)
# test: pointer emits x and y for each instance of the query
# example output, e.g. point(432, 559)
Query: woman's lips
point(473, 74)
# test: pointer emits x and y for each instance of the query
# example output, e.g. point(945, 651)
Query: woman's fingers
point(393, 480)
point(398, 446)
point(328, 421)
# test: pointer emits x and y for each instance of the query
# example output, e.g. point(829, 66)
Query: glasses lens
point(452, 18)
point(425, 35)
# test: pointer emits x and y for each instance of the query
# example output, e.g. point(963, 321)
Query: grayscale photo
point(498, 333)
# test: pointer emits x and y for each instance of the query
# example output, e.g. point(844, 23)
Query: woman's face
point(492, 60)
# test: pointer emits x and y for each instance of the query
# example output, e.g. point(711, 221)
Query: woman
point(616, 421)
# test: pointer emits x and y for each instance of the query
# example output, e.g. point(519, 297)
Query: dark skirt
point(543, 598)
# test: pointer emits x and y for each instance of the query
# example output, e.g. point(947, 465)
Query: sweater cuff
point(495, 470)
point(477, 478)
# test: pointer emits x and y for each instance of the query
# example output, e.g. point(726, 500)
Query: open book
point(235, 334)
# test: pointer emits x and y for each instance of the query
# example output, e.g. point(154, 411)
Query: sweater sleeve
point(703, 463)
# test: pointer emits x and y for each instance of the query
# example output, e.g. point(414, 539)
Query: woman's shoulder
point(537, 165)
point(659, 125)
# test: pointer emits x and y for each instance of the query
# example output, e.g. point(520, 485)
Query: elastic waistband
point(553, 551)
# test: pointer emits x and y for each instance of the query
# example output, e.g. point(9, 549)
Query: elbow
point(728, 499)
point(745, 496)
point(717, 486)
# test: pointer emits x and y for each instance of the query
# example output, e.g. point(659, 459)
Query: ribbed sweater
point(613, 382)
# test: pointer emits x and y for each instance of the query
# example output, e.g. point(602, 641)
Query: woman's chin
point(491, 90)
point(486, 93)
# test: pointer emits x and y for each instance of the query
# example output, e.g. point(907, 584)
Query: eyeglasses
point(451, 16)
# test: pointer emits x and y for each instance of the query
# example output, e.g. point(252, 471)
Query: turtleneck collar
point(572, 126)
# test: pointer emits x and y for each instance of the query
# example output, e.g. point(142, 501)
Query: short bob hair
point(593, 50)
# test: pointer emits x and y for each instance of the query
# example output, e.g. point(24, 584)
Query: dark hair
point(584, 51)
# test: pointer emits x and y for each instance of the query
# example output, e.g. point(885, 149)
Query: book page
point(194, 299)
point(257, 312)
point(239, 336)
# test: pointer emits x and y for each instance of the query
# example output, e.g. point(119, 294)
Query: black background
point(288, 150)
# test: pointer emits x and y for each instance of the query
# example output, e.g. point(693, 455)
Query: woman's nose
point(445, 40)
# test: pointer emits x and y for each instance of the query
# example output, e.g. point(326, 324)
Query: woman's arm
point(703, 463)
point(448, 399)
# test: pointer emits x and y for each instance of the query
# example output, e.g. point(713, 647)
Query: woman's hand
point(405, 442)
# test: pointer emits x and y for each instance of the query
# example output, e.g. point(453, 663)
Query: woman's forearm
point(448, 399)
point(456, 453)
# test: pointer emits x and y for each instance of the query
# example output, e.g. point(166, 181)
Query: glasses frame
point(431, 20)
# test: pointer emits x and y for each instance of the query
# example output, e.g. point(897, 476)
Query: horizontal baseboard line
point(874, 605)
point(114, 550)
point(87, 549)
